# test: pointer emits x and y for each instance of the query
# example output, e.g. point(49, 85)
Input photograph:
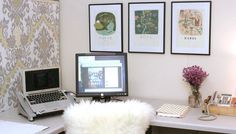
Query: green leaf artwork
point(146, 22)
point(105, 23)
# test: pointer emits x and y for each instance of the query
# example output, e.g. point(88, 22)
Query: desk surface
point(223, 124)
point(55, 122)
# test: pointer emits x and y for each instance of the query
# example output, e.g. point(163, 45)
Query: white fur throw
point(128, 117)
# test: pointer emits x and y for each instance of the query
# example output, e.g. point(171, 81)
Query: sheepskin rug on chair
point(127, 117)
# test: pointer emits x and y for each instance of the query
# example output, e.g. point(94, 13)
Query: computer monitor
point(101, 76)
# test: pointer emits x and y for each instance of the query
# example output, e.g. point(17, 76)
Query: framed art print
point(191, 27)
point(147, 27)
point(105, 27)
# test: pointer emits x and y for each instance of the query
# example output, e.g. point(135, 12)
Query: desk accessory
point(23, 107)
point(10, 127)
point(26, 110)
point(224, 105)
point(173, 110)
point(225, 99)
point(208, 116)
point(222, 110)
point(233, 101)
point(194, 75)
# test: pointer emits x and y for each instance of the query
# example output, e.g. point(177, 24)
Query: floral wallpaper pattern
point(29, 38)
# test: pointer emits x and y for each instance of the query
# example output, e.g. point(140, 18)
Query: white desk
point(223, 124)
point(55, 122)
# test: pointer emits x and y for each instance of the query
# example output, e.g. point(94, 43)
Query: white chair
point(128, 117)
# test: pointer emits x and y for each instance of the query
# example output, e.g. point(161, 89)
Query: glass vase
point(195, 99)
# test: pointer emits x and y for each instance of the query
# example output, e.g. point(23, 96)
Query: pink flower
point(194, 75)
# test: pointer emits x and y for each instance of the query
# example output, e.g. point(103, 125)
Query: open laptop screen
point(41, 79)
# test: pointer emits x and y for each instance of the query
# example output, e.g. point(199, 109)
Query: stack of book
point(173, 110)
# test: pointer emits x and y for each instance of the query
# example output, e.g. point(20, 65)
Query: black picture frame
point(148, 36)
point(106, 27)
point(191, 27)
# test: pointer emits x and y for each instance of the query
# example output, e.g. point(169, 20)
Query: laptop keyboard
point(46, 97)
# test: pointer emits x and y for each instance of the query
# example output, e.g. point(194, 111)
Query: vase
point(195, 99)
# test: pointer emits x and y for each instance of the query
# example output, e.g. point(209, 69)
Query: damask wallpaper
point(29, 38)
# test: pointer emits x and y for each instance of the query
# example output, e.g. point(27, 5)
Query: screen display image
point(42, 79)
point(101, 75)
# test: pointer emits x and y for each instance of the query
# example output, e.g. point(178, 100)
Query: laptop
point(42, 90)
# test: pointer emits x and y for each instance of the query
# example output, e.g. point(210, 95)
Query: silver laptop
point(42, 90)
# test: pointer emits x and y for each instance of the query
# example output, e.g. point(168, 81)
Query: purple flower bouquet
point(194, 75)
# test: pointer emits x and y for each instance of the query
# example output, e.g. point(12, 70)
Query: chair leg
point(149, 130)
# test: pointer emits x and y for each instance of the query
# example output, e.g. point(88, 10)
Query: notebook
point(42, 91)
point(173, 110)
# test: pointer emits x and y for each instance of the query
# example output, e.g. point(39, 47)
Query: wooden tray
point(222, 110)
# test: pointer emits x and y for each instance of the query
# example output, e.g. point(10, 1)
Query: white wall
point(156, 75)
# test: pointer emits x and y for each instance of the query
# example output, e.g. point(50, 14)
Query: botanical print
point(105, 27)
point(191, 27)
point(146, 22)
point(190, 22)
point(105, 23)
point(29, 39)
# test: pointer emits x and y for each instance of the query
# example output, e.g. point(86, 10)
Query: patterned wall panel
point(29, 38)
